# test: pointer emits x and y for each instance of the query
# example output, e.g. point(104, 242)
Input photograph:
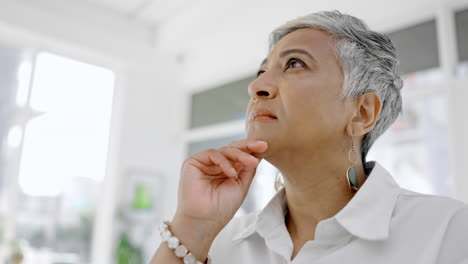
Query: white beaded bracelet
point(173, 242)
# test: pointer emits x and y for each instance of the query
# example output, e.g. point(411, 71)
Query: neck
point(316, 189)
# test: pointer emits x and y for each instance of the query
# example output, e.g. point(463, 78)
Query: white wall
point(79, 24)
point(459, 129)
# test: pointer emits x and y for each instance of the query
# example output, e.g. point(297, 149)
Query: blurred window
point(73, 103)
point(415, 148)
point(64, 157)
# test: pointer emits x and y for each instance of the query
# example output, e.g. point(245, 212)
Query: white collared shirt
point(381, 224)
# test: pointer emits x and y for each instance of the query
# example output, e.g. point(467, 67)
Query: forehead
point(318, 43)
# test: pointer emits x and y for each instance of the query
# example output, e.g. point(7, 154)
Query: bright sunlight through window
point(70, 138)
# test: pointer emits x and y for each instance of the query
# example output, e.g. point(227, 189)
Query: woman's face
point(300, 84)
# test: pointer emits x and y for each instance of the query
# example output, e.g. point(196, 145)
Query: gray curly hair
point(368, 59)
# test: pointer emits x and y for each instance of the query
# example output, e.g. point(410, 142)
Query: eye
point(260, 72)
point(294, 63)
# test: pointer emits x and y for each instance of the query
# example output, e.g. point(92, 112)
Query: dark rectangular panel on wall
point(417, 47)
point(220, 104)
point(461, 21)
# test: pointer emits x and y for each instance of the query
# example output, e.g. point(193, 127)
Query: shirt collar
point(367, 215)
point(269, 218)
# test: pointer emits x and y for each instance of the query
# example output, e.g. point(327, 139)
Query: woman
point(328, 88)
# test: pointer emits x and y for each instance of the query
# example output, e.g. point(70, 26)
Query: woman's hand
point(213, 184)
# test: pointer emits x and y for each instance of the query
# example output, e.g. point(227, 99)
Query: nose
point(263, 87)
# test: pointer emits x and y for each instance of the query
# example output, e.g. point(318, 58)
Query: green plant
point(126, 253)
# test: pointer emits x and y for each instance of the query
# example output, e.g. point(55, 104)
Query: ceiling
point(188, 19)
point(159, 11)
point(149, 11)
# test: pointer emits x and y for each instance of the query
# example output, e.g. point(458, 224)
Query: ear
point(368, 107)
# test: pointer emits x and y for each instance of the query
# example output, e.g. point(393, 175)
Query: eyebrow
point(287, 52)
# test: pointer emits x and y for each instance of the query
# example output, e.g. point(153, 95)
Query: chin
point(257, 136)
point(268, 140)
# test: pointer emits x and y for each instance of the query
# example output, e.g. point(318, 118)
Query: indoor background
point(102, 100)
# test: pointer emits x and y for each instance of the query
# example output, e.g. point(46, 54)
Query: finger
point(238, 155)
point(246, 175)
point(211, 170)
point(250, 145)
point(214, 157)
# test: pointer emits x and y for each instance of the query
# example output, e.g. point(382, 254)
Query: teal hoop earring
point(351, 173)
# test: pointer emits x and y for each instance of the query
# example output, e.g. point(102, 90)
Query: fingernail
point(234, 172)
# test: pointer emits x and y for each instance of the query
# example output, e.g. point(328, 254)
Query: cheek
point(302, 100)
point(313, 112)
point(303, 114)
point(312, 101)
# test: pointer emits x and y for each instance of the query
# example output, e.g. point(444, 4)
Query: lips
point(261, 114)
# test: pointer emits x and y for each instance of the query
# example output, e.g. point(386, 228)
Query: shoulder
point(435, 222)
point(429, 213)
point(428, 203)
point(454, 245)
